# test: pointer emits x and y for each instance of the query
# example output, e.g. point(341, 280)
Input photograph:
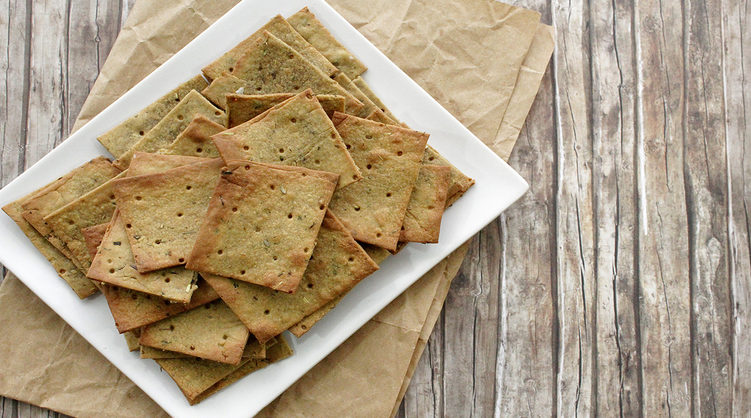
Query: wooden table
point(620, 284)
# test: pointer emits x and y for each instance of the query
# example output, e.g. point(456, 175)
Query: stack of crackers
point(243, 206)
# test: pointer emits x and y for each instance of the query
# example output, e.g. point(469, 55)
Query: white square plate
point(497, 186)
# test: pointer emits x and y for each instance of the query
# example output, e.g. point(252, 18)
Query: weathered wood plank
point(574, 229)
point(616, 381)
point(737, 62)
point(663, 279)
point(705, 174)
point(425, 395)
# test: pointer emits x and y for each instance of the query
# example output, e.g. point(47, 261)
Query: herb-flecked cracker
point(113, 264)
point(459, 183)
point(211, 332)
point(337, 265)
point(253, 350)
point(422, 223)
point(242, 107)
point(132, 309)
point(93, 208)
point(150, 163)
point(165, 132)
point(164, 211)
point(271, 66)
point(122, 137)
point(306, 23)
point(195, 140)
point(279, 27)
point(296, 132)
point(63, 191)
point(262, 224)
point(366, 90)
point(65, 268)
point(390, 157)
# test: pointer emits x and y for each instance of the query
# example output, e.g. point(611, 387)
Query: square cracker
point(62, 191)
point(422, 223)
point(262, 224)
point(122, 137)
point(296, 132)
point(271, 66)
point(253, 350)
point(366, 90)
point(65, 268)
point(198, 378)
point(390, 157)
point(242, 108)
point(459, 183)
point(211, 332)
point(174, 122)
point(337, 265)
point(93, 208)
point(163, 212)
point(306, 23)
point(195, 140)
point(113, 264)
point(279, 27)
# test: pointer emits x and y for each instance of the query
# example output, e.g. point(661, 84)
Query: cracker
point(337, 265)
point(163, 212)
point(366, 90)
point(378, 116)
point(296, 132)
point(63, 191)
point(93, 208)
point(131, 340)
point(113, 264)
point(368, 107)
point(253, 349)
point(122, 137)
point(459, 183)
point(422, 223)
point(262, 224)
point(65, 268)
point(390, 157)
point(195, 140)
point(93, 236)
point(148, 163)
point(132, 309)
point(279, 27)
point(271, 66)
point(275, 353)
point(306, 23)
point(220, 87)
point(242, 108)
point(211, 332)
point(165, 132)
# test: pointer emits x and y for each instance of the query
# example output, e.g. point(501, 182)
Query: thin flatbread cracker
point(242, 108)
point(113, 264)
point(132, 309)
point(279, 27)
point(262, 224)
point(62, 191)
point(220, 87)
point(65, 268)
point(366, 90)
point(378, 116)
point(422, 223)
point(148, 163)
point(296, 132)
point(337, 265)
point(390, 158)
point(306, 23)
point(122, 137)
point(195, 140)
point(459, 183)
point(275, 353)
point(93, 237)
point(93, 208)
point(253, 350)
point(162, 212)
point(165, 132)
point(131, 339)
point(271, 66)
point(211, 332)
point(368, 107)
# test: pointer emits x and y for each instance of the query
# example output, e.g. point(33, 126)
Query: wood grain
point(619, 285)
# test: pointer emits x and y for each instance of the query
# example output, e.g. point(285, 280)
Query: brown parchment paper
point(466, 54)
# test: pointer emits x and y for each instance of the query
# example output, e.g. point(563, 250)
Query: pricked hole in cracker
point(351, 259)
point(231, 69)
point(430, 207)
point(192, 347)
point(246, 148)
point(157, 242)
point(322, 207)
point(225, 336)
point(431, 158)
point(70, 222)
point(242, 272)
point(310, 285)
point(180, 117)
point(181, 260)
point(357, 208)
point(166, 302)
point(258, 88)
point(112, 197)
point(281, 150)
point(138, 198)
point(295, 88)
point(354, 177)
point(199, 150)
point(379, 235)
point(258, 228)
point(368, 136)
point(317, 162)
point(348, 145)
point(179, 214)
point(305, 250)
point(166, 280)
point(220, 252)
point(388, 194)
point(171, 327)
point(402, 227)
point(293, 120)
point(333, 135)
point(399, 153)
point(275, 258)
point(142, 133)
point(188, 187)
point(112, 271)
point(217, 113)
point(272, 187)
point(303, 327)
point(369, 166)
point(234, 209)
point(266, 312)
point(289, 215)
point(62, 271)
point(128, 226)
